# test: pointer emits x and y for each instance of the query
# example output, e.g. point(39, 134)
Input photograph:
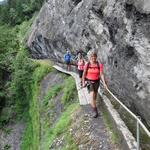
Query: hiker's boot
point(94, 113)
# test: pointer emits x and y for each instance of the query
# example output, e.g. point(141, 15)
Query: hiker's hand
point(105, 86)
point(83, 85)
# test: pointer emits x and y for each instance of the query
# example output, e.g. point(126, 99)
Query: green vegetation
point(32, 132)
point(51, 128)
point(24, 29)
point(20, 78)
point(69, 143)
point(21, 81)
point(51, 133)
point(69, 89)
point(131, 124)
point(52, 93)
point(15, 71)
point(15, 11)
point(60, 127)
point(6, 115)
point(19, 93)
point(7, 130)
point(27, 136)
point(7, 146)
point(113, 135)
point(8, 50)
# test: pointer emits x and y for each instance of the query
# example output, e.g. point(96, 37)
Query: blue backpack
point(67, 57)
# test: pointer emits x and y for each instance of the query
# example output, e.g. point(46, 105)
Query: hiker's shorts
point(80, 73)
point(67, 62)
point(93, 85)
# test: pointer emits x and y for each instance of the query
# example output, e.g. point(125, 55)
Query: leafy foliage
point(8, 47)
point(31, 135)
point(21, 80)
point(14, 64)
point(16, 11)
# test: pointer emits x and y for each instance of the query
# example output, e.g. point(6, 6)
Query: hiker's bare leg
point(69, 67)
point(93, 96)
point(93, 104)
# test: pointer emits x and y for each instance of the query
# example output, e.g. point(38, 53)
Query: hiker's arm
point(102, 77)
point(103, 80)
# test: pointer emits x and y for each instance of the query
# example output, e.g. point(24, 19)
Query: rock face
point(118, 30)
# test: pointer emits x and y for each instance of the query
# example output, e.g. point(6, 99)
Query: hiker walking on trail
point(80, 65)
point(93, 71)
point(80, 52)
point(67, 58)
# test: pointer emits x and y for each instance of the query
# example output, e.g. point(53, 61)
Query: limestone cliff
point(118, 30)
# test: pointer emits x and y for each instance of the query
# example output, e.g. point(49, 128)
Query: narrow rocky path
point(98, 132)
point(89, 133)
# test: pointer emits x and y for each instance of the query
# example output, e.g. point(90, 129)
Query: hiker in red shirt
point(80, 65)
point(93, 71)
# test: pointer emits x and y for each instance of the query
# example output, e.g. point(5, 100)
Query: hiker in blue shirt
point(67, 58)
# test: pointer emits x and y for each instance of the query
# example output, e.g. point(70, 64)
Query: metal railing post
point(138, 135)
point(131, 113)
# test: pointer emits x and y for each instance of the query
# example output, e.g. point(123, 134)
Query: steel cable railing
point(139, 122)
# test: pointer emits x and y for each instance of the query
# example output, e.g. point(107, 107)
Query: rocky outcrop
point(141, 5)
point(118, 30)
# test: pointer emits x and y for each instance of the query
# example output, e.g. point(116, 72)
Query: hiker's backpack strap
point(87, 67)
point(98, 66)
point(83, 61)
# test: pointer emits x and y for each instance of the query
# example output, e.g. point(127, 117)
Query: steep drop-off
point(118, 30)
